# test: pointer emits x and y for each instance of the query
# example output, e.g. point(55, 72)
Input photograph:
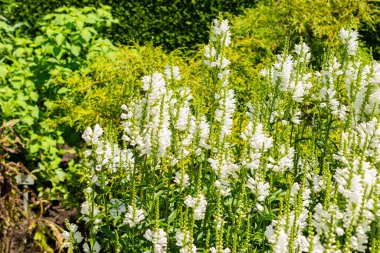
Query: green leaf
point(17, 82)
point(34, 111)
point(75, 50)
point(59, 39)
point(86, 35)
point(34, 148)
point(3, 70)
point(60, 174)
point(48, 104)
point(79, 23)
point(56, 52)
point(33, 96)
point(62, 90)
point(27, 120)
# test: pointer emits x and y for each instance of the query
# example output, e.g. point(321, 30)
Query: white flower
point(224, 113)
point(181, 180)
point(159, 240)
point(65, 235)
point(199, 204)
point(92, 136)
point(204, 131)
point(154, 83)
point(350, 39)
point(339, 231)
point(258, 140)
point(214, 250)
point(222, 29)
point(183, 118)
point(185, 241)
point(78, 237)
point(259, 207)
point(260, 189)
point(96, 248)
point(85, 208)
point(86, 248)
point(283, 69)
point(303, 51)
point(210, 52)
point(172, 72)
point(285, 162)
point(134, 216)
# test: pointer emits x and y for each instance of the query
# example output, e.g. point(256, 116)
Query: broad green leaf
point(59, 39)
point(60, 174)
point(3, 70)
point(27, 120)
point(48, 104)
point(79, 23)
point(33, 96)
point(34, 148)
point(86, 35)
point(62, 90)
point(34, 111)
point(75, 50)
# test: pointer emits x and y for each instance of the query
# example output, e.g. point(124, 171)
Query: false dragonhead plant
point(299, 172)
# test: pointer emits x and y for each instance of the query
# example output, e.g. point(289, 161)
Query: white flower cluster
point(214, 250)
point(214, 54)
point(350, 40)
point(224, 113)
point(172, 72)
point(285, 162)
point(221, 29)
point(292, 75)
point(105, 155)
point(365, 93)
point(355, 184)
point(199, 205)
point(223, 168)
point(77, 236)
point(146, 123)
point(159, 240)
point(182, 180)
point(185, 241)
point(92, 136)
point(258, 187)
point(134, 216)
point(95, 249)
point(280, 230)
point(149, 123)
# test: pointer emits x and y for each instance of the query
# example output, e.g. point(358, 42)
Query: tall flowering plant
point(184, 178)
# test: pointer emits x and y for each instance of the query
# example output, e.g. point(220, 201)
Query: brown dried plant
point(21, 230)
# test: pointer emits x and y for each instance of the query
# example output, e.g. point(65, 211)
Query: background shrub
point(69, 40)
point(172, 24)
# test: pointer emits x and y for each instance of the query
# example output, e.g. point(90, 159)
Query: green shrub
point(274, 26)
point(95, 93)
point(70, 38)
point(171, 24)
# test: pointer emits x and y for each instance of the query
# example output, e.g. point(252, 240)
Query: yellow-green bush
point(96, 93)
point(274, 26)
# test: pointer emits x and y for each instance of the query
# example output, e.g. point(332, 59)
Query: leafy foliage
point(20, 223)
point(70, 39)
point(298, 172)
point(172, 24)
point(96, 93)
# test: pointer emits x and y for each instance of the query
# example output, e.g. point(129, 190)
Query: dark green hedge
point(171, 23)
